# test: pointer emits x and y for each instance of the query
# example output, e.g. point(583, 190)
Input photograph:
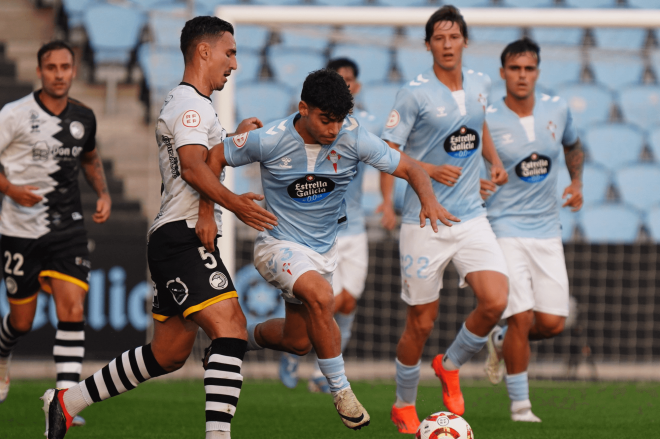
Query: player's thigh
point(21, 263)
point(66, 261)
point(69, 300)
point(352, 265)
point(549, 277)
point(223, 319)
point(521, 294)
point(173, 341)
point(424, 257)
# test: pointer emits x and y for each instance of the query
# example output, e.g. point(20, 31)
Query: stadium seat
point(291, 68)
point(653, 222)
point(379, 100)
point(249, 65)
point(631, 39)
point(267, 100)
point(413, 62)
point(416, 34)
point(591, 3)
point(75, 11)
point(610, 223)
point(614, 145)
point(490, 34)
point(641, 105)
point(568, 220)
point(249, 37)
point(638, 185)
point(644, 4)
point(654, 143)
point(147, 5)
point(589, 103)
point(559, 36)
point(615, 73)
point(595, 183)
point(529, 3)
point(162, 71)
point(490, 65)
point(555, 72)
point(166, 29)
point(113, 32)
point(339, 2)
point(377, 58)
point(368, 34)
point(403, 3)
point(471, 3)
point(305, 37)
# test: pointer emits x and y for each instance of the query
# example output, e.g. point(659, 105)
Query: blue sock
point(333, 370)
point(407, 381)
point(463, 348)
point(518, 386)
point(252, 344)
point(345, 323)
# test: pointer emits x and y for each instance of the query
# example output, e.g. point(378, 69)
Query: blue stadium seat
point(555, 72)
point(654, 143)
point(379, 100)
point(610, 223)
point(568, 220)
point(208, 6)
point(490, 65)
point(340, 2)
point(609, 38)
point(413, 62)
point(529, 3)
point(616, 73)
point(147, 5)
point(595, 183)
point(305, 37)
point(471, 3)
point(369, 34)
point(277, 2)
point(560, 36)
point(291, 68)
point(162, 71)
point(416, 34)
point(653, 223)
point(249, 65)
point(267, 100)
point(492, 34)
point(591, 3)
point(638, 185)
point(377, 58)
point(166, 29)
point(614, 145)
point(644, 4)
point(113, 32)
point(641, 105)
point(249, 37)
point(403, 3)
point(589, 103)
point(75, 10)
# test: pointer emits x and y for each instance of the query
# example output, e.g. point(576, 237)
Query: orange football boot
point(405, 419)
point(451, 387)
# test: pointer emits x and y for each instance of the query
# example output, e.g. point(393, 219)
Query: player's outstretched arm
point(92, 166)
point(421, 183)
point(498, 174)
point(575, 163)
point(22, 195)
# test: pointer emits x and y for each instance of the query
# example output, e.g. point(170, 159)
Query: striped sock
point(69, 351)
point(8, 338)
point(223, 381)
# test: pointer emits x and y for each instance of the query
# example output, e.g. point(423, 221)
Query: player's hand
point(23, 195)
point(434, 211)
point(486, 188)
point(446, 174)
point(251, 213)
point(575, 200)
point(388, 221)
point(498, 175)
point(249, 124)
point(103, 207)
point(206, 230)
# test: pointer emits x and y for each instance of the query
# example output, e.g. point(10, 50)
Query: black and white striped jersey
point(39, 148)
point(186, 118)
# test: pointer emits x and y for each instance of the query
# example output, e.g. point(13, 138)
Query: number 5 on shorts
point(205, 255)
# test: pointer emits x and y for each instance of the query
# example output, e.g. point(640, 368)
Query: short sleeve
point(6, 128)
point(193, 123)
point(373, 151)
point(90, 145)
point(243, 148)
point(570, 132)
point(402, 118)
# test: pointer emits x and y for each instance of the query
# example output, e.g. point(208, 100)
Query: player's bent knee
point(23, 327)
point(298, 346)
point(322, 303)
point(549, 331)
point(420, 328)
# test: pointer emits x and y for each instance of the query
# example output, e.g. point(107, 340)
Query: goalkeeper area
point(164, 409)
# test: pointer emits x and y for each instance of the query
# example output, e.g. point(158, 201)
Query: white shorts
point(537, 276)
point(351, 273)
point(471, 245)
point(281, 263)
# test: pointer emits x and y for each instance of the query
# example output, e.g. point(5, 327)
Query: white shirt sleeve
point(192, 123)
point(7, 123)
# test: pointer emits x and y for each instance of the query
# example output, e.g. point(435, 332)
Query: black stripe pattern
point(8, 337)
point(69, 351)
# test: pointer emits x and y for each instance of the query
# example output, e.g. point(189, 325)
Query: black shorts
point(186, 277)
point(59, 255)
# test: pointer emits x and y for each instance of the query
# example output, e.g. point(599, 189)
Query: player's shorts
point(281, 263)
point(186, 278)
point(471, 245)
point(537, 276)
point(60, 255)
point(352, 265)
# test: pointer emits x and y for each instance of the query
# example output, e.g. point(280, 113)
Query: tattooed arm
point(574, 162)
point(93, 169)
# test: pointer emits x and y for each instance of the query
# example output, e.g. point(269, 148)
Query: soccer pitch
point(175, 409)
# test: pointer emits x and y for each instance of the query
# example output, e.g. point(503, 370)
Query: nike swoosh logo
point(356, 420)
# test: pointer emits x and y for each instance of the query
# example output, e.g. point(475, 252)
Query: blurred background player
point(352, 247)
point(530, 130)
point(192, 288)
point(440, 118)
point(45, 138)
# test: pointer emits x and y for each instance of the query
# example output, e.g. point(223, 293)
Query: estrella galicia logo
point(462, 143)
point(178, 289)
point(310, 189)
point(259, 300)
point(534, 168)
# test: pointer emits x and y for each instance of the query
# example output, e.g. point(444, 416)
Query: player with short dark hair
point(530, 130)
point(45, 139)
point(440, 118)
point(192, 287)
point(307, 162)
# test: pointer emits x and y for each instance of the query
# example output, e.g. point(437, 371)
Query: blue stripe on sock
point(518, 386)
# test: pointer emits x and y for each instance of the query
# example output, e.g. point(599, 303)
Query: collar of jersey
point(197, 91)
point(432, 74)
point(505, 107)
point(294, 132)
point(43, 107)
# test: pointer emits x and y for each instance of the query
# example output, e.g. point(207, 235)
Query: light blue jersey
point(428, 120)
point(527, 206)
point(304, 185)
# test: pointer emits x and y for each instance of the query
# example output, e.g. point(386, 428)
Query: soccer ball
point(444, 425)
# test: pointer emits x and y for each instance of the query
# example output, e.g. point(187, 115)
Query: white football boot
point(352, 413)
point(494, 366)
point(4, 380)
point(521, 411)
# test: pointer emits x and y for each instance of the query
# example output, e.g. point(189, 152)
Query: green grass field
point(175, 409)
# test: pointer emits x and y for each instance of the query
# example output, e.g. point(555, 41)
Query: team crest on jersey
point(178, 289)
point(334, 158)
point(534, 168)
point(393, 120)
point(191, 119)
point(462, 143)
point(77, 130)
point(240, 139)
point(310, 189)
point(552, 128)
point(218, 280)
point(40, 152)
point(482, 100)
point(12, 286)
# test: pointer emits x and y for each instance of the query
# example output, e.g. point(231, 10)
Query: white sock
point(252, 344)
point(74, 400)
point(216, 434)
point(520, 405)
point(448, 364)
point(400, 403)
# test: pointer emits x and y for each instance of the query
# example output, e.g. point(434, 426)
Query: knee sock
point(251, 342)
point(345, 323)
point(222, 383)
point(518, 387)
point(69, 351)
point(465, 345)
point(8, 339)
point(122, 374)
point(333, 370)
point(407, 381)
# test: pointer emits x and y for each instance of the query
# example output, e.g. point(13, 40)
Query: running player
point(45, 138)
point(440, 118)
point(192, 287)
point(352, 249)
point(307, 162)
point(530, 130)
